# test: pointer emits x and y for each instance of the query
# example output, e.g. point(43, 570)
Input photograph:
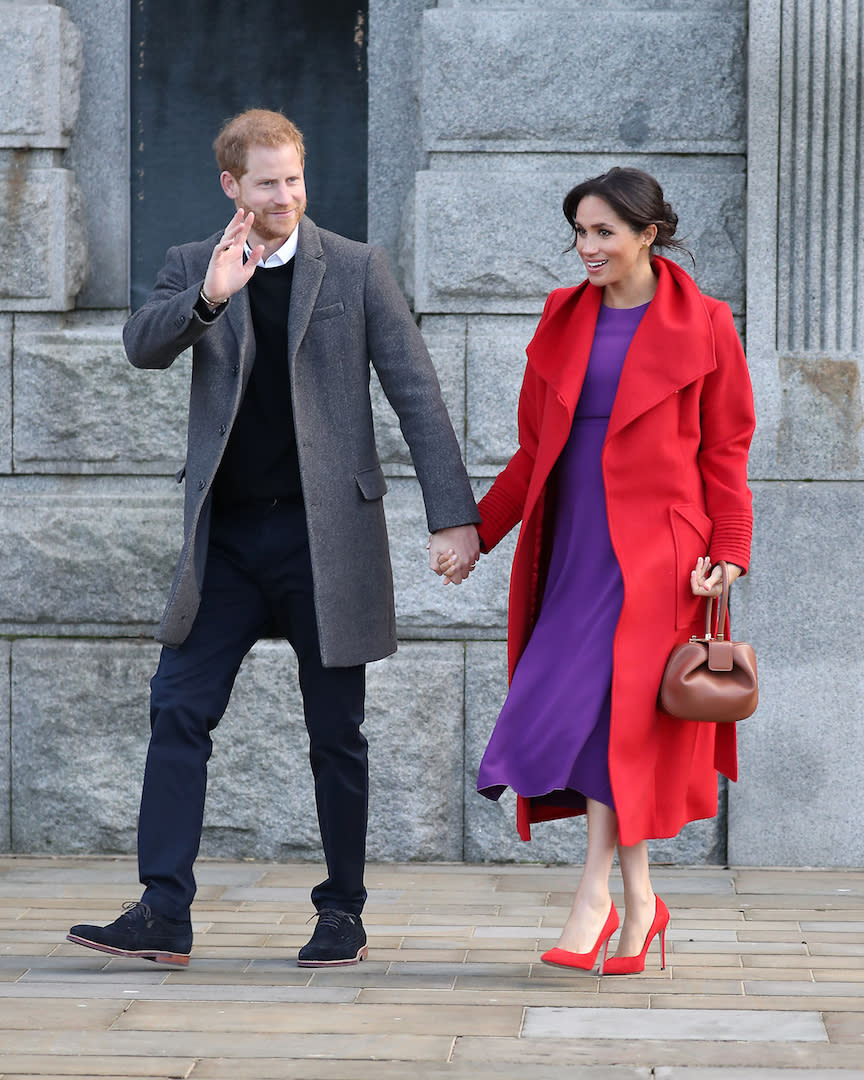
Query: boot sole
point(361, 955)
point(156, 955)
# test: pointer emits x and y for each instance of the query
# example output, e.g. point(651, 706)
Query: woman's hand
point(453, 553)
point(707, 582)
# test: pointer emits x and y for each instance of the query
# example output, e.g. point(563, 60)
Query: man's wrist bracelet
point(212, 304)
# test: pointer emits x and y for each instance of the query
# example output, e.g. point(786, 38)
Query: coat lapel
point(308, 275)
point(561, 347)
point(672, 347)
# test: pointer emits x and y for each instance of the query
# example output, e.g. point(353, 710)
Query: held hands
point(707, 582)
point(226, 271)
point(453, 553)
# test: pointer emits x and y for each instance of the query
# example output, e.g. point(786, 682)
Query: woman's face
point(611, 251)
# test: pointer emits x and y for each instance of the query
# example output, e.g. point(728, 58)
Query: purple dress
point(551, 741)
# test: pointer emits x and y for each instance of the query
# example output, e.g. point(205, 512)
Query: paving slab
point(675, 1073)
point(735, 1025)
point(382, 1070)
point(574, 1054)
point(310, 1019)
point(91, 1067)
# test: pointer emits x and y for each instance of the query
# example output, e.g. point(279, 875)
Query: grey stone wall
point(482, 114)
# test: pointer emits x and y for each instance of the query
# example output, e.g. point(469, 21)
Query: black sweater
point(260, 461)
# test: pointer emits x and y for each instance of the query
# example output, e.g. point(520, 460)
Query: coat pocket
point(371, 483)
point(327, 311)
point(691, 535)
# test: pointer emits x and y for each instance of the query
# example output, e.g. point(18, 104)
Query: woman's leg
point(592, 900)
point(638, 898)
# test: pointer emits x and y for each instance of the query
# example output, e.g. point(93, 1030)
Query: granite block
point(41, 57)
point(80, 406)
point(470, 258)
point(799, 795)
point(47, 272)
point(496, 365)
point(5, 393)
point(87, 555)
point(79, 738)
point(5, 755)
point(810, 418)
point(102, 134)
point(415, 720)
point(395, 141)
point(516, 80)
point(445, 339)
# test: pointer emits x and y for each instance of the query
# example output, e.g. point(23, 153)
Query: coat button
point(222, 429)
point(235, 370)
point(201, 485)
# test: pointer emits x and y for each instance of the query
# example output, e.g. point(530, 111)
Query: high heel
point(632, 965)
point(586, 960)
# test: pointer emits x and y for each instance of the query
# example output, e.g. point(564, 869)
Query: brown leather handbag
point(709, 678)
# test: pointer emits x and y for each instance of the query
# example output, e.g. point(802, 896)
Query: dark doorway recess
point(195, 65)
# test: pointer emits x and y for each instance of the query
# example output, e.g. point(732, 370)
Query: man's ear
point(229, 184)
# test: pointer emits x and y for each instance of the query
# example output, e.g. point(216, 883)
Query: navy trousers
point(258, 581)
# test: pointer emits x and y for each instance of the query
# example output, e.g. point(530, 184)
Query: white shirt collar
point(282, 255)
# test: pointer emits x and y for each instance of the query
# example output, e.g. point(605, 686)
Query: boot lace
point(330, 918)
point(135, 910)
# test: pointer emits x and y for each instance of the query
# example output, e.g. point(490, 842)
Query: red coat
point(675, 474)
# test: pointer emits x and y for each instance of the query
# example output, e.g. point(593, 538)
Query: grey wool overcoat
point(346, 312)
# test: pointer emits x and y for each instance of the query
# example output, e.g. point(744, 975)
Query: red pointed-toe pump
point(586, 960)
point(632, 965)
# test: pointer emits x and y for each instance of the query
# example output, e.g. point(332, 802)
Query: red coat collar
point(672, 347)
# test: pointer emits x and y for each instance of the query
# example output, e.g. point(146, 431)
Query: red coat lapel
point(560, 348)
point(672, 347)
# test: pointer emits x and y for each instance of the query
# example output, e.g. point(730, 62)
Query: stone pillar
point(800, 798)
point(41, 209)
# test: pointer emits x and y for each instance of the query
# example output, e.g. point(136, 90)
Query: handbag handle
point(722, 610)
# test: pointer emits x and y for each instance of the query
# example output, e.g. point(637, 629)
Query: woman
point(635, 419)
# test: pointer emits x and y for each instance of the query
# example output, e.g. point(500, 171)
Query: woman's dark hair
point(635, 197)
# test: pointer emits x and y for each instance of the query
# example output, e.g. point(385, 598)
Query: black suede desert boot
point(339, 940)
point(141, 933)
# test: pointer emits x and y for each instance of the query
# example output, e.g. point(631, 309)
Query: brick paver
point(765, 978)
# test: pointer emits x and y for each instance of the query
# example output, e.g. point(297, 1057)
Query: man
point(284, 524)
